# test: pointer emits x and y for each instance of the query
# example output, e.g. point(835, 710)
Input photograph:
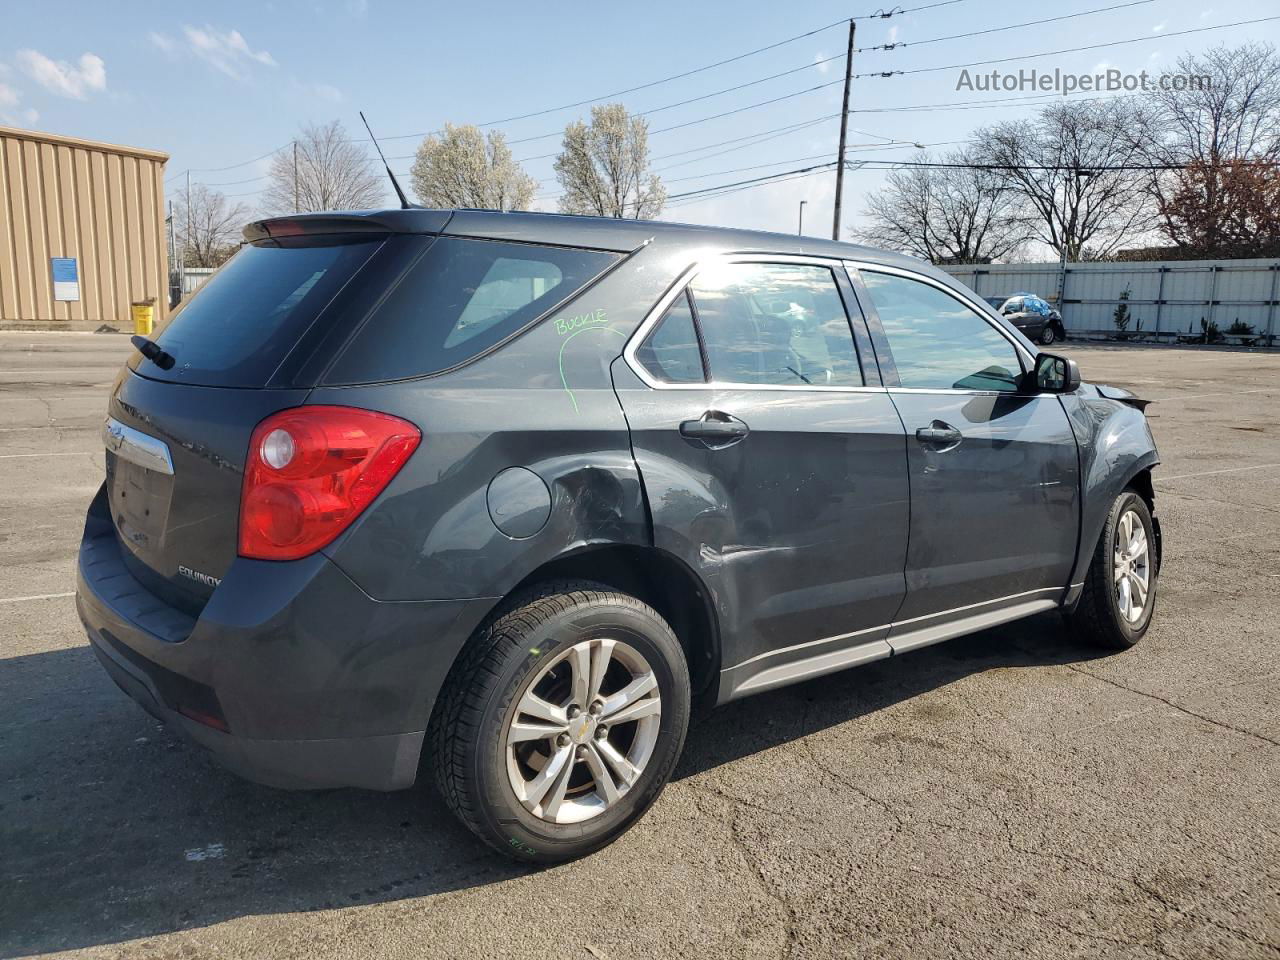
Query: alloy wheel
point(583, 730)
point(1132, 566)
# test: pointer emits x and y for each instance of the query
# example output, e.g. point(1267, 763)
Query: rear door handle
point(714, 429)
point(940, 435)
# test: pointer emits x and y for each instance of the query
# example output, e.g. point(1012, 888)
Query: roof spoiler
point(315, 224)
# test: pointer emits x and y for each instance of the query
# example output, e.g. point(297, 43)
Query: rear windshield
point(238, 328)
point(459, 299)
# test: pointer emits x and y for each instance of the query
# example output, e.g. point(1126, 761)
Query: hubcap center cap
point(582, 728)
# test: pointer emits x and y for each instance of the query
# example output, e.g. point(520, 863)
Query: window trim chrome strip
point(136, 447)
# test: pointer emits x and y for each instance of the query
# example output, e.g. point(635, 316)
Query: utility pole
point(295, 176)
point(182, 252)
point(844, 127)
point(173, 256)
point(800, 228)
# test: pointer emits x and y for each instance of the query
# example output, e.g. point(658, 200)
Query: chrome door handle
point(714, 429)
point(940, 435)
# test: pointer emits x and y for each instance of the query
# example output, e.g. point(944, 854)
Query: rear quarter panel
point(543, 401)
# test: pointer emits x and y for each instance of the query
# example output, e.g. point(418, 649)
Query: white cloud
point(162, 42)
point(10, 112)
point(227, 52)
point(76, 81)
point(893, 34)
point(1160, 26)
point(326, 92)
point(1206, 14)
point(818, 59)
point(318, 91)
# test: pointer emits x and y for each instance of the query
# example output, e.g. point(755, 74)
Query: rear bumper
point(387, 762)
point(291, 676)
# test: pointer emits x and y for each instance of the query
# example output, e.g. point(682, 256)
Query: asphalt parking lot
point(1007, 794)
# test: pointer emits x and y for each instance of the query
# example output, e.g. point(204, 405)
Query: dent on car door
point(994, 470)
point(769, 467)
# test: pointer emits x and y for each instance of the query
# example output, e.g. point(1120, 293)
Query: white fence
point(192, 281)
point(1167, 299)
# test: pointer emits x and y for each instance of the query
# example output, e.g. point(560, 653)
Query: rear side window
point(671, 352)
point(775, 323)
point(236, 330)
point(461, 298)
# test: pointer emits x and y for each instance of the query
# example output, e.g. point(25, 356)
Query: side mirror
point(1055, 374)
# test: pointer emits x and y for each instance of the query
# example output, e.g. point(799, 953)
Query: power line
point(777, 76)
point(878, 15)
point(898, 44)
point(780, 178)
point(1082, 170)
point(1052, 53)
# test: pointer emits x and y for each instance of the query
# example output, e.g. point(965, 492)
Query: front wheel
point(1048, 335)
point(562, 722)
point(1119, 594)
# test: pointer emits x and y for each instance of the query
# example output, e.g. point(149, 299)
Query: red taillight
point(310, 472)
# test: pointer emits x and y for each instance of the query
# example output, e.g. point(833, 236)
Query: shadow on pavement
point(112, 829)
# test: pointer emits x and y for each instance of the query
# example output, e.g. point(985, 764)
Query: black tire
point(1048, 335)
point(508, 654)
point(1097, 618)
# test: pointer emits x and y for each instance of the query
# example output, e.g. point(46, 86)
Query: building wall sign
point(66, 278)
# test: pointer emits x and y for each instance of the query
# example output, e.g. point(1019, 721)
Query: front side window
point(937, 342)
point(775, 323)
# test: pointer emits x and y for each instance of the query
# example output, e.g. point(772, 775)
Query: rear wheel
point(562, 722)
point(1120, 588)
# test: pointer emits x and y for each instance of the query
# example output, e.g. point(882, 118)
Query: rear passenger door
point(773, 462)
point(994, 470)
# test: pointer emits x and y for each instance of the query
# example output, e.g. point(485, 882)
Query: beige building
point(82, 232)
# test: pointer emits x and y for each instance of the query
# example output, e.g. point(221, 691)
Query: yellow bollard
point(144, 314)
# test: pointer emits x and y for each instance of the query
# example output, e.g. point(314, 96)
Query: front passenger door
point(993, 471)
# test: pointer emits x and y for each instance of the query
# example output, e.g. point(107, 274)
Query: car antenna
point(404, 201)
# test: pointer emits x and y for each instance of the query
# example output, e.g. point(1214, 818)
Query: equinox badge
point(198, 577)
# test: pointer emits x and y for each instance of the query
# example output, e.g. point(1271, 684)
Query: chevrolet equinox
point(503, 495)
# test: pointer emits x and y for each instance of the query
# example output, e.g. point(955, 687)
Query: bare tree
point(206, 226)
point(1078, 167)
point(604, 167)
point(1221, 141)
point(323, 170)
point(958, 213)
point(464, 168)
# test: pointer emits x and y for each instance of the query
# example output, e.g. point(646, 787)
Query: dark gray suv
point(507, 494)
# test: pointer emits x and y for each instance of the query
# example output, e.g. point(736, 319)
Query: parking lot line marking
point(1204, 396)
point(37, 596)
point(1209, 473)
point(20, 456)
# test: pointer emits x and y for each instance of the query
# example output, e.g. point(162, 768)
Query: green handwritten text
point(566, 325)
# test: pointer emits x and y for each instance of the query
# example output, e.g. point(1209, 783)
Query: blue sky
point(216, 85)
